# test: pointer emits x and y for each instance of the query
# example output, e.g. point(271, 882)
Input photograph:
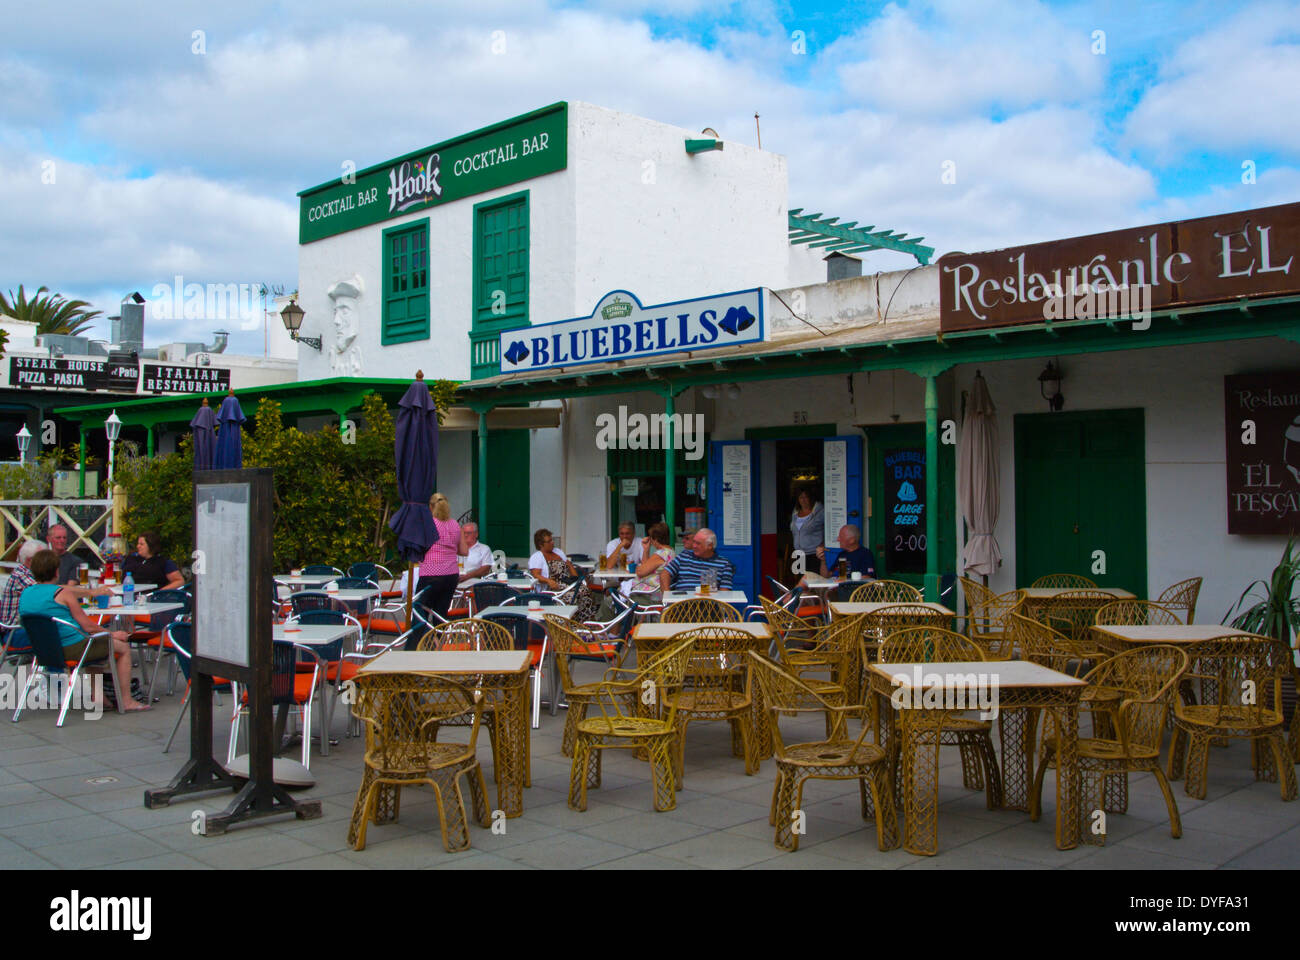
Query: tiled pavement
point(55, 812)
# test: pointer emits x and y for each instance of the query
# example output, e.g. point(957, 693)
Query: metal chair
point(528, 635)
point(158, 624)
point(180, 640)
point(287, 688)
point(47, 649)
point(321, 569)
point(305, 600)
point(337, 670)
point(489, 593)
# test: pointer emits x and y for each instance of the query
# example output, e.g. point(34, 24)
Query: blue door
point(733, 508)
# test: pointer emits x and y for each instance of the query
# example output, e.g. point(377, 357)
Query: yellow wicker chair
point(567, 642)
point(836, 654)
point(699, 610)
point(886, 591)
point(971, 735)
point(899, 616)
point(717, 687)
point(1074, 613)
point(1182, 596)
point(836, 758)
point(1068, 581)
point(1246, 680)
point(617, 728)
point(397, 711)
point(791, 630)
point(1136, 613)
point(468, 634)
point(986, 617)
point(1146, 678)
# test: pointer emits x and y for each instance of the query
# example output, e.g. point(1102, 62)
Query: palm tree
point(50, 312)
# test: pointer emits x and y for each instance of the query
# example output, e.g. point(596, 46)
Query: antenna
point(757, 131)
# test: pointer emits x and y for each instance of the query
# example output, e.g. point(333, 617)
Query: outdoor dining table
point(306, 581)
point(514, 583)
point(308, 635)
point(497, 672)
point(565, 610)
point(127, 617)
point(847, 608)
point(649, 638)
point(1010, 685)
point(733, 597)
point(1039, 601)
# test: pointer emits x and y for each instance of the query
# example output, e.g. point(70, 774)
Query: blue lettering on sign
point(664, 341)
point(686, 340)
point(907, 473)
point(575, 338)
point(598, 342)
point(622, 342)
point(710, 331)
point(540, 353)
point(643, 332)
point(559, 351)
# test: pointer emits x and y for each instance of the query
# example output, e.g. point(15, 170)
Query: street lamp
point(24, 441)
point(112, 426)
point(292, 316)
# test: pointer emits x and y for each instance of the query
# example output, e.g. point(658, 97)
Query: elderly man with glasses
point(683, 571)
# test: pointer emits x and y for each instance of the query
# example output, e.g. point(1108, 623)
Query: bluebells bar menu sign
point(504, 153)
point(620, 328)
point(1262, 424)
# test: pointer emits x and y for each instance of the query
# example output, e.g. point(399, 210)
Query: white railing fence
point(87, 522)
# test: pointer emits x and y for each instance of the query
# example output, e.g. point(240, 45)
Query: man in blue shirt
point(851, 549)
point(683, 571)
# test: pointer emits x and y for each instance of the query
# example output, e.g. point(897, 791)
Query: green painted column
point(148, 434)
point(481, 516)
point(931, 489)
point(81, 466)
point(670, 467)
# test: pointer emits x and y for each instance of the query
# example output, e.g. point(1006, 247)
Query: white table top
point(815, 581)
point(308, 579)
point(726, 596)
point(449, 662)
point(517, 583)
point(846, 608)
point(666, 631)
point(139, 587)
point(311, 634)
point(353, 596)
point(613, 574)
point(1051, 593)
point(135, 610)
point(558, 609)
point(1173, 633)
point(985, 673)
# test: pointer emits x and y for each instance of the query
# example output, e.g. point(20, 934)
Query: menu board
point(904, 515)
point(835, 489)
point(222, 534)
point(1262, 424)
point(736, 495)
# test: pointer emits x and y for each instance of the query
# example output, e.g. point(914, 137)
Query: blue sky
point(179, 136)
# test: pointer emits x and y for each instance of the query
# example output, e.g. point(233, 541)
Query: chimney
point(840, 266)
point(127, 331)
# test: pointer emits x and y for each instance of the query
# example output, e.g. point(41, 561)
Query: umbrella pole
point(410, 593)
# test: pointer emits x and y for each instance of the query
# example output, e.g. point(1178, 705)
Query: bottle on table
point(128, 591)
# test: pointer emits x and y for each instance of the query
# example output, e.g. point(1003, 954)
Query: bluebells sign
point(620, 328)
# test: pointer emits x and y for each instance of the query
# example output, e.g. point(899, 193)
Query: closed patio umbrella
point(416, 460)
point(977, 481)
point(229, 454)
point(204, 424)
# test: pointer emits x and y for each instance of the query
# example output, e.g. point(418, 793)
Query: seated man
point(623, 548)
point(851, 549)
point(683, 571)
point(478, 556)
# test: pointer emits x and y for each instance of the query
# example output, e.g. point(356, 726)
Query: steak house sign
point(1212, 259)
point(505, 153)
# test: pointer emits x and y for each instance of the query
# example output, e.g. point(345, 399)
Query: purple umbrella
point(416, 460)
point(230, 443)
point(204, 423)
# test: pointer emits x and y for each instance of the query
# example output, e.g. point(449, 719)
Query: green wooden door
point(508, 492)
point(897, 483)
point(1081, 497)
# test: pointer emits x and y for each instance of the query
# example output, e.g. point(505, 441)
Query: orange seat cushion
point(349, 670)
point(535, 649)
point(607, 651)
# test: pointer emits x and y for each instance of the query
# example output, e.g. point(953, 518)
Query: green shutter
point(406, 284)
point(501, 261)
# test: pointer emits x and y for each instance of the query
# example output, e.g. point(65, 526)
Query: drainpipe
point(931, 489)
point(670, 465)
point(481, 517)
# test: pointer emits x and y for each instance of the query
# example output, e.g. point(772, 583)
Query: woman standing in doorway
point(808, 527)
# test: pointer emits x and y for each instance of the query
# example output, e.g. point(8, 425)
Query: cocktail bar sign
point(1216, 259)
point(496, 156)
point(620, 328)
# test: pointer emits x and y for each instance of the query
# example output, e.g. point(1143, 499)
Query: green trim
point(496, 322)
point(850, 237)
point(387, 336)
point(700, 146)
point(932, 490)
point(791, 432)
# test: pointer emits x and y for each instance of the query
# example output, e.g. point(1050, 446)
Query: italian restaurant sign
point(1263, 433)
point(1208, 260)
point(496, 156)
point(620, 328)
point(161, 378)
point(69, 373)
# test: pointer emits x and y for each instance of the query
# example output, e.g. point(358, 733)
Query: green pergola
point(924, 356)
point(835, 237)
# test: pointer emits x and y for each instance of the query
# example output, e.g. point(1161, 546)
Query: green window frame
point(501, 254)
point(406, 283)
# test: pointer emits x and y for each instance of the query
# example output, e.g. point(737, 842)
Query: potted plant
point(1276, 614)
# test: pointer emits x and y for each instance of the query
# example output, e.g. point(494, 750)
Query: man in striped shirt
point(683, 571)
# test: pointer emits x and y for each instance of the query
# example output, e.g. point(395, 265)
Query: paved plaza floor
point(73, 798)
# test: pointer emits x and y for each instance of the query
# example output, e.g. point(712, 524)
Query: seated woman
point(552, 569)
point(46, 598)
point(656, 552)
point(147, 565)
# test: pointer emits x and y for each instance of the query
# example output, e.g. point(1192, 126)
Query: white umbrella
point(977, 480)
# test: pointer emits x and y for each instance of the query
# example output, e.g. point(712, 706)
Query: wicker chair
point(876, 626)
point(568, 644)
point(1068, 581)
point(971, 735)
point(886, 591)
point(617, 728)
point(397, 710)
point(1136, 613)
point(789, 630)
point(836, 758)
point(1074, 612)
point(1247, 678)
point(986, 616)
point(835, 653)
point(1182, 596)
point(699, 610)
point(1146, 677)
point(717, 687)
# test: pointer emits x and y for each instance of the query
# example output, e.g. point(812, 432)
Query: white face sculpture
point(345, 322)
